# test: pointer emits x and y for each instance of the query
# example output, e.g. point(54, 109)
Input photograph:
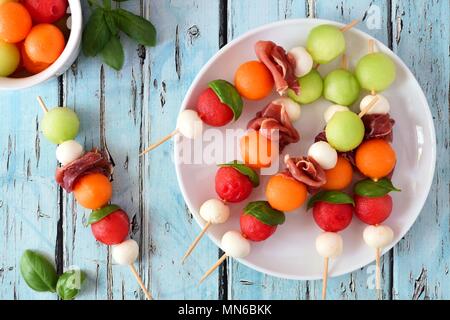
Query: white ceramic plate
point(290, 252)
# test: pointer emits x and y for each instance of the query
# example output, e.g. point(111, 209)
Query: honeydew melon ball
point(375, 71)
point(341, 87)
point(311, 87)
point(9, 58)
point(345, 131)
point(325, 43)
point(60, 124)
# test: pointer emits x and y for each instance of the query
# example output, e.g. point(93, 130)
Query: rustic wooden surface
point(126, 110)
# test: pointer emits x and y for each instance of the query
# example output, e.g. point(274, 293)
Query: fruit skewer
point(109, 223)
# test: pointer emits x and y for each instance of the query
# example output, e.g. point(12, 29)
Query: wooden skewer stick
point(195, 242)
point(325, 278)
point(42, 104)
point(369, 106)
point(344, 61)
point(378, 269)
point(160, 142)
point(214, 267)
point(350, 25)
point(141, 284)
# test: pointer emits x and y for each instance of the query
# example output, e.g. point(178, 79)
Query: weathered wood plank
point(422, 259)
point(373, 16)
point(188, 36)
point(28, 195)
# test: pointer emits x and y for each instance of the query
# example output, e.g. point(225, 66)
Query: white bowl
point(64, 61)
point(290, 252)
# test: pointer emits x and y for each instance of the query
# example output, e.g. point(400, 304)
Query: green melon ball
point(345, 131)
point(341, 87)
point(60, 124)
point(311, 87)
point(9, 58)
point(375, 71)
point(325, 43)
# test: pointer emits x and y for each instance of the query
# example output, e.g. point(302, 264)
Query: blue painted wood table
point(128, 109)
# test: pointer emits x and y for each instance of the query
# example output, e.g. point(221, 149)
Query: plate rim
point(429, 120)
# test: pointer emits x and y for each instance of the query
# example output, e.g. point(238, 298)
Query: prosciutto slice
point(378, 126)
point(280, 64)
point(94, 161)
point(306, 170)
point(274, 118)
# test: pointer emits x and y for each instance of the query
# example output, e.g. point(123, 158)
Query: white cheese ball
point(189, 124)
point(292, 108)
point(126, 252)
point(214, 211)
point(331, 110)
point(382, 105)
point(68, 151)
point(304, 61)
point(325, 155)
point(235, 245)
point(329, 244)
point(378, 236)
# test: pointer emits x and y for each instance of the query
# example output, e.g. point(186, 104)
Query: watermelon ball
point(112, 228)
point(46, 11)
point(373, 210)
point(231, 185)
point(332, 217)
point(212, 111)
point(255, 230)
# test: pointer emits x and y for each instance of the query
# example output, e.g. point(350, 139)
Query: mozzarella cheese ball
point(303, 61)
point(68, 151)
point(189, 124)
point(126, 252)
point(235, 245)
point(382, 106)
point(324, 154)
point(378, 236)
point(331, 110)
point(329, 244)
point(214, 211)
point(292, 108)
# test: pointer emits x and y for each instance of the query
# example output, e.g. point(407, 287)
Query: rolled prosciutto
point(280, 64)
point(378, 126)
point(94, 161)
point(305, 170)
point(274, 118)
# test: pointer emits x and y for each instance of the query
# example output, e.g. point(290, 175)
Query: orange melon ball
point(15, 22)
point(31, 66)
point(253, 80)
point(44, 43)
point(93, 191)
point(285, 193)
point(340, 176)
point(375, 158)
point(256, 150)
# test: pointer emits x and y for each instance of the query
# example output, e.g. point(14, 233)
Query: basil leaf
point(228, 95)
point(337, 197)
point(96, 33)
point(69, 284)
point(111, 23)
point(262, 211)
point(373, 189)
point(38, 273)
point(97, 215)
point(246, 171)
point(112, 53)
point(139, 29)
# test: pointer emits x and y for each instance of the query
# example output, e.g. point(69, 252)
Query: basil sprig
point(262, 211)
point(38, 273)
point(246, 171)
point(373, 189)
point(228, 95)
point(336, 197)
point(101, 34)
point(69, 284)
point(99, 214)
